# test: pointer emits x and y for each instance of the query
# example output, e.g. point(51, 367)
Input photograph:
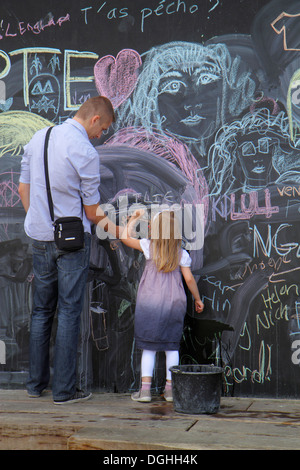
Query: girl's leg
point(172, 359)
point(147, 366)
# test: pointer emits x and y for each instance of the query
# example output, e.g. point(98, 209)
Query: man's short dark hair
point(96, 105)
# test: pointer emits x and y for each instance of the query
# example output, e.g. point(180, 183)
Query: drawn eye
point(263, 145)
point(206, 78)
point(172, 87)
point(248, 149)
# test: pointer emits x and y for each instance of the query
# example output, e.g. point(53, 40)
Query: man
point(60, 277)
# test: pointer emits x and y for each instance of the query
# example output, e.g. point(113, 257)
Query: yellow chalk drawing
point(16, 130)
point(293, 127)
point(25, 52)
point(68, 79)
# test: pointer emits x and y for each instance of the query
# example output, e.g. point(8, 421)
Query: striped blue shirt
point(74, 173)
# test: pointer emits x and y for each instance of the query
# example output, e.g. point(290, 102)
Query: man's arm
point(96, 215)
point(24, 191)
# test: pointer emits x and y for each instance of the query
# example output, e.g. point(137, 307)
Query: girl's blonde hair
point(165, 241)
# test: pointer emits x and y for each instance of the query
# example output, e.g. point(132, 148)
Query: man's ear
point(95, 119)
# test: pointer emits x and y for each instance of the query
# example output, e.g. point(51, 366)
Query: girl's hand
point(132, 223)
point(199, 306)
point(137, 214)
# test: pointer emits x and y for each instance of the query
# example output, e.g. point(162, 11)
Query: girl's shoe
point(141, 395)
point(168, 395)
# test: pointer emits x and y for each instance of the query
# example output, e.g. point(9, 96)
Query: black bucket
point(196, 388)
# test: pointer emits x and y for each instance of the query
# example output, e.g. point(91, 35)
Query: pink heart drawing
point(116, 78)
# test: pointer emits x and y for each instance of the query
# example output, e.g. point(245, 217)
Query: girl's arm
point(126, 238)
point(193, 288)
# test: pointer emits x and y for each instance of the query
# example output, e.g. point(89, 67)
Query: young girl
point(161, 299)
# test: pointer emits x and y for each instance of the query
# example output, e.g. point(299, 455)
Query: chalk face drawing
point(207, 115)
point(188, 97)
point(253, 152)
point(44, 92)
point(189, 90)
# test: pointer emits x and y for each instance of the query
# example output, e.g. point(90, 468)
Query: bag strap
point(50, 202)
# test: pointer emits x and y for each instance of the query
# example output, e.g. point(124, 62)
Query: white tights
point(148, 362)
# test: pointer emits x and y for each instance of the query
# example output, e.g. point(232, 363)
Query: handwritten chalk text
point(163, 8)
point(8, 30)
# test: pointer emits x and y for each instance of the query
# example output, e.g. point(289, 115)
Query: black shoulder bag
point(68, 231)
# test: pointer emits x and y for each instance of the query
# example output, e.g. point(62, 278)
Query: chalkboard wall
point(207, 99)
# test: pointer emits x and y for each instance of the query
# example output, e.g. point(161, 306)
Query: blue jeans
point(59, 285)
